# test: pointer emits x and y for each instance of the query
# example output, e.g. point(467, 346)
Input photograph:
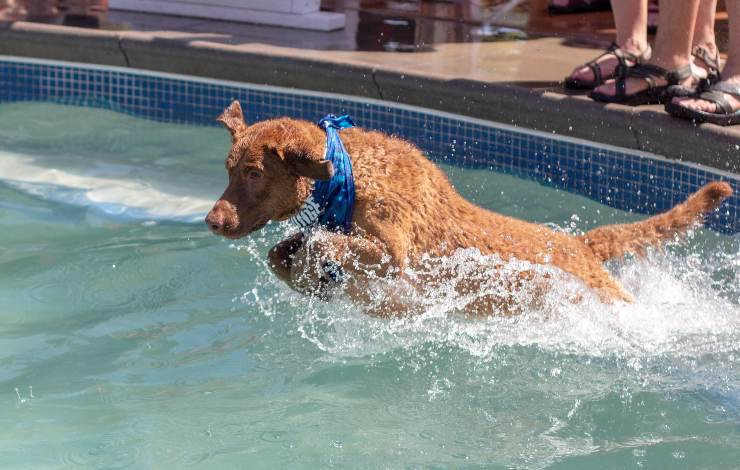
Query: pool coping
point(647, 128)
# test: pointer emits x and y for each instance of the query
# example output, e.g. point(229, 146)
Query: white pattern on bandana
point(308, 215)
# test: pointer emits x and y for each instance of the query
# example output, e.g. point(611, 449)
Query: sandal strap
point(712, 61)
point(675, 77)
point(596, 70)
point(620, 88)
point(720, 99)
point(712, 64)
point(646, 72)
point(650, 73)
point(727, 88)
point(596, 67)
point(622, 57)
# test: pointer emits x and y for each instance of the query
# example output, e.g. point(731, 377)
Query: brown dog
point(405, 210)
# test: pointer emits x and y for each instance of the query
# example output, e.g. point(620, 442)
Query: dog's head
point(270, 166)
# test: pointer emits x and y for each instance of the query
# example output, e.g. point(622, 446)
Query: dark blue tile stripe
point(614, 177)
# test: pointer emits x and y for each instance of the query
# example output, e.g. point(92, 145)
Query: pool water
point(130, 337)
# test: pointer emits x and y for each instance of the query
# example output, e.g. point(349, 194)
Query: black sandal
point(704, 84)
point(725, 115)
point(654, 93)
point(622, 57)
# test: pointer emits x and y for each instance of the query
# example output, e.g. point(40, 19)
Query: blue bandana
point(332, 202)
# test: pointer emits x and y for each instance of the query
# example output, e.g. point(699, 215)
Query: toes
point(708, 107)
point(705, 106)
point(692, 104)
point(696, 105)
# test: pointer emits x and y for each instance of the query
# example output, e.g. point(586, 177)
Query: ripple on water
point(52, 292)
point(112, 451)
point(113, 278)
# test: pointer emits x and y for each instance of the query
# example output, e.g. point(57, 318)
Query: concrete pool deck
point(513, 82)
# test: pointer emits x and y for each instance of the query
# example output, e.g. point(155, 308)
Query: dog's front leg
point(280, 257)
point(327, 260)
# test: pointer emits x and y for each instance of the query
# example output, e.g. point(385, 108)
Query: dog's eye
point(254, 174)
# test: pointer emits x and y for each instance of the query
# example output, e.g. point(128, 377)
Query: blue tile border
point(620, 178)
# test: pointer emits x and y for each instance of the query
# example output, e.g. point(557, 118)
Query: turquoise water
point(130, 337)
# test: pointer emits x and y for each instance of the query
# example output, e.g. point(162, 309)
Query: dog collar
point(331, 203)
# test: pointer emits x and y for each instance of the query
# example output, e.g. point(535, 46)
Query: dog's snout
point(221, 217)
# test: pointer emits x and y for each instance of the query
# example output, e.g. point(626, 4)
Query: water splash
point(686, 306)
point(24, 401)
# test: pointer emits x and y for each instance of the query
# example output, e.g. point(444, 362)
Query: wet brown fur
point(406, 208)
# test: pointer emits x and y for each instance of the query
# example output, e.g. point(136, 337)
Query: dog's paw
point(333, 273)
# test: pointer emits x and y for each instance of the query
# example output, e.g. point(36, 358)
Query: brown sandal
point(621, 68)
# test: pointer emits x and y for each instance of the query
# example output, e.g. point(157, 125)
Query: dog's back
point(399, 189)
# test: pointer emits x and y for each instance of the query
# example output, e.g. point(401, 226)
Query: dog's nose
point(215, 221)
point(219, 218)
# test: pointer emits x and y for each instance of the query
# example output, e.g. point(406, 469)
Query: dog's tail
point(612, 241)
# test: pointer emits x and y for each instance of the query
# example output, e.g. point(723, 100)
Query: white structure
point(303, 14)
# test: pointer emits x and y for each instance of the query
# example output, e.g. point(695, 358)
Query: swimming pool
point(149, 343)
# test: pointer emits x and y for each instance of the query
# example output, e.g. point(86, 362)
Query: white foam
point(115, 196)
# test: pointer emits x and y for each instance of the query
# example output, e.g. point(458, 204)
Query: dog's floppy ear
point(233, 119)
point(301, 164)
point(321, 170)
